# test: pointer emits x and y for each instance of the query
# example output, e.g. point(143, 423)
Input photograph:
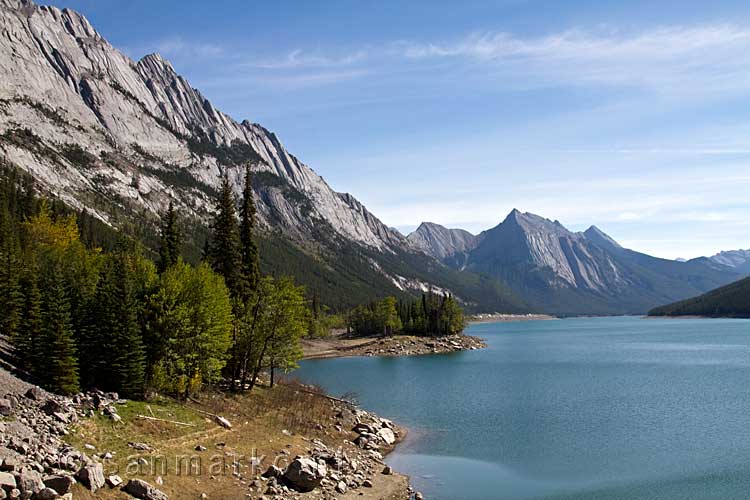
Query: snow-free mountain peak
point(600, 237)
point(736, 259)
point(441, 242)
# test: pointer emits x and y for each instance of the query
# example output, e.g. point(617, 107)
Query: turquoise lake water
point(596, 408)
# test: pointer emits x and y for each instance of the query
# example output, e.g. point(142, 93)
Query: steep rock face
point(525, 240)
point(441, 242)
point(68, 85)
point(736, 259)
point(122, 139)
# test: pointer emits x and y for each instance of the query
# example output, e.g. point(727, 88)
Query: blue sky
point(632, 115)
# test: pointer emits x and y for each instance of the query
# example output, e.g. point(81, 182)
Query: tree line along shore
point(88, 306)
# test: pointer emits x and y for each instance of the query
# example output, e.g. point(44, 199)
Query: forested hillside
point(732, 300)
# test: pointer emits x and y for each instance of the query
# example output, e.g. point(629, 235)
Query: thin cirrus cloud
point(179, 47)
point(301, 59)
point(714, 57)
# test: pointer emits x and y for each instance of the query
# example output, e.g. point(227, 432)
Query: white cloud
point(179, 47)
point(715, 54)
point(302, 59)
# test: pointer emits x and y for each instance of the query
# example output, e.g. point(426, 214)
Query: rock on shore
point(410, 345)
point(35, 462)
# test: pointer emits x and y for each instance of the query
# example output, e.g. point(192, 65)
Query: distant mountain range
point(569, 273)
point(732, 300)
point(736, 259)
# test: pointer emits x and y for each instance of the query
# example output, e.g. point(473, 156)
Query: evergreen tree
point(225, 254)
point(169, 250)
point(10, 271)
point(250, 261)
point(58, 366)
point(28, 341)
point(121, 363)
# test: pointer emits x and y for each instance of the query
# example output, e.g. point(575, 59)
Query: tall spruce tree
point(10, 271)
point(58, 364)
point(28, 341)
point(250, 261)
point(171, 240)
point(225, 255)
point(117, 359)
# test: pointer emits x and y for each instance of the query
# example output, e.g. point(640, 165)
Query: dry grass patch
point(268, 424)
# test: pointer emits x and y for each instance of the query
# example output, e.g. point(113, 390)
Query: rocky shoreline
point(397, 345)
point(342, 458)
point(500, 317)
point(35, 461)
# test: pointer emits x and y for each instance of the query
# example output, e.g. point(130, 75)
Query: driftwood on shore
point(222, 421)
point(145, 417)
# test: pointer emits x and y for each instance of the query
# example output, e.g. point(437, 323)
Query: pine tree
point(58, 366)
point(10, 271)
point(128, 361)
point(225, 254)
point(250, 261)
point(28, 341)
point(169, 251)
point(116, 360)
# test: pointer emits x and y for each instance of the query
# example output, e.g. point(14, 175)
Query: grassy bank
point(190, 455)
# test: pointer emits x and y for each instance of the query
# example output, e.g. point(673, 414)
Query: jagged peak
point(156, 60)
point(17, 4)
point(429, 226)
point(596, 235)
point(532, 222)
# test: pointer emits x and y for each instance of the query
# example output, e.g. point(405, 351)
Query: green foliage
point(194, 322)
point(179, 178)
point(10, 270)
point(76, 155)
point(249, 259)
point(28, 338)
point(58, 364)
point(732, 300)
point(268, 328)
point(224, 255)
point(432, 315)
point(171, 240)
point(115, 357)
point(81, 316)
point(238, 153)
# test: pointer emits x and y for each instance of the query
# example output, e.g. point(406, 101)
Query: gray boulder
point(114, 481)
point(35, 393)
point(273, 471)
point(387, 436)
point(6, 407)
point(141, 489)
point(305, 474)
point(31, 481)
point(7, 481)
point(92, 476)
point(46, 494)
point(61, 484)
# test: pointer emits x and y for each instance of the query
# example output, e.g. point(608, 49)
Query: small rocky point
point(328, 473)
point(411, 346)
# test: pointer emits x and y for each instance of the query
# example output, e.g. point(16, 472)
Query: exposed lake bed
point(577, 408)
